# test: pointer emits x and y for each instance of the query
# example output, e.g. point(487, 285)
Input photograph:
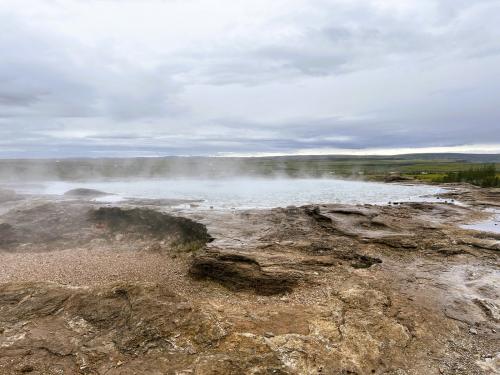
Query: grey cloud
point(80, 94)
point(44, 75)
point(357, 37)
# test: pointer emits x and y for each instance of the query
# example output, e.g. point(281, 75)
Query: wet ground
point(491, 224)
point(151, 288)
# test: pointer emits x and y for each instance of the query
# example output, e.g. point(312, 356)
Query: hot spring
point(245, 193)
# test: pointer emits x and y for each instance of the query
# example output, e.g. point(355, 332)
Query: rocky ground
point(143, 288)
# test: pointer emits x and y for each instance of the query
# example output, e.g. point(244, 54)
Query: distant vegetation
point(476, 169)
point(484, 175)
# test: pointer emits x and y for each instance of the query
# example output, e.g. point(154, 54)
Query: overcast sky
point(257, 77)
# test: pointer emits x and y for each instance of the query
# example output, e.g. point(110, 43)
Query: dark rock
point(27, 368)
point(240, 272)
point(177, 230)
point(395, 241)
point(450, 251)
point(88, 193)
point(360, 261)
point(65, 225)
point(396, 178)
point(321, 219)
point(7, 234)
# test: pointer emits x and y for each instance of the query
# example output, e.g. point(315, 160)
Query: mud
point(322, 289)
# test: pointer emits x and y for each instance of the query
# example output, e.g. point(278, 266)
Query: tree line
point(484, 176)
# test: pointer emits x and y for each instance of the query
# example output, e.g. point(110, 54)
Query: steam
point(169, 167)
point(243, 192)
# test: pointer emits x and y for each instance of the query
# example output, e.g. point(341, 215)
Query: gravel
point(84, 266)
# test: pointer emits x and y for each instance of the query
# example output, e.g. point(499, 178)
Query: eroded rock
point(76, 328)
point(179, 231)
point(241, 272)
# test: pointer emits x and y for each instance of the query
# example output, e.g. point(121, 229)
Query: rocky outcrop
point(147, 329)
point(241, 272)
point(85, 193)
point(53, 226)
point(178, 231)
point(50, 329)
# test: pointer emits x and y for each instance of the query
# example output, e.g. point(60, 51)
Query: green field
point(425, 167)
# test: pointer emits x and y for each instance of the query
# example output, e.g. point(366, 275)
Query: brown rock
point(240, 272)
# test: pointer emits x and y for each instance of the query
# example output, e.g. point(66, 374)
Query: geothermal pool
point(491, 225)
point(244, 193)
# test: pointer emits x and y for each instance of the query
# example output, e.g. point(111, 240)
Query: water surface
point(242, 193)
point(491, 225)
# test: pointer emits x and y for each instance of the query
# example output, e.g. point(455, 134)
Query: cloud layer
point(200, 77)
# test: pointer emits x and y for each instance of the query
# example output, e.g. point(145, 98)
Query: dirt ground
point(140, 288)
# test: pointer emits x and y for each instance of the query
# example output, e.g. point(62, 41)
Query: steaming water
point(244, 193)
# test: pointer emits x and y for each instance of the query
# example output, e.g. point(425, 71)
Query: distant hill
point(213, 167)
point(453, 157)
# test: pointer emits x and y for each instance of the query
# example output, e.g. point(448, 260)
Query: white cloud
point(212, 77)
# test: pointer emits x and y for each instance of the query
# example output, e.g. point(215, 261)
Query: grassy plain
point(425, 167)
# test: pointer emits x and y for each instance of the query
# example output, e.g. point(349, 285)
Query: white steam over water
point(242, 193)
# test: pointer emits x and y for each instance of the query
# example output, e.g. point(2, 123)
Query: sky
point(238, 78)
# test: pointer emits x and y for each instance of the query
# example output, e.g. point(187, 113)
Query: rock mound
point(241, 272)
point(176, 230)
point(85, 193)
point(53, 226)
point(48, 224)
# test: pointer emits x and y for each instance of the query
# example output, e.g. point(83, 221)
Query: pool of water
point(242, 193)
point(491, 225)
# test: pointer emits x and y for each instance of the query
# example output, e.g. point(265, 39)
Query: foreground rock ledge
point(330, 289)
